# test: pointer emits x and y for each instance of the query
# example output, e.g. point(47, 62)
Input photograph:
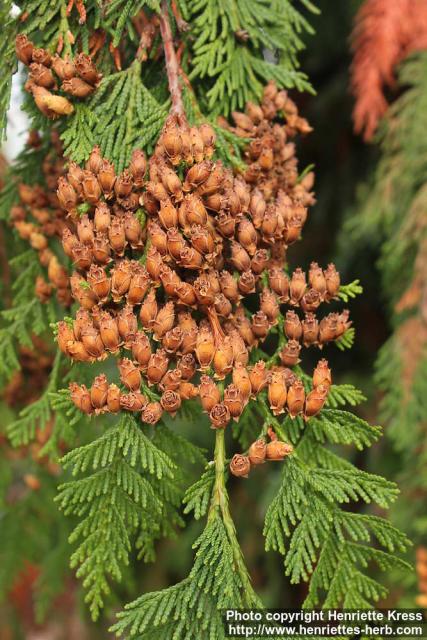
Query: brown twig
point(217, 331)
point(172, 66)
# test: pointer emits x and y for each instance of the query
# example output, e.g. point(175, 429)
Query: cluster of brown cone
point(259, 452)
point(166, 295)
point(78, 77)
point(39, 219)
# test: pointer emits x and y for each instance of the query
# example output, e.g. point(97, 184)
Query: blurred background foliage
point(346, 181)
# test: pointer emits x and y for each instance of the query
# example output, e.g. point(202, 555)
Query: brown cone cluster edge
point(165, 256)
point(40, 221)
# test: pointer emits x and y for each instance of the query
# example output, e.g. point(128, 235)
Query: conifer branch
point(171, 62)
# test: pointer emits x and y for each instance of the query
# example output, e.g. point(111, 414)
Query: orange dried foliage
point(385, 33)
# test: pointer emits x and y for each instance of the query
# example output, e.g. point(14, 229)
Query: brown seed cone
point(113, 398)
point(154, 263)
point(171, 380)
point(75, 176)
point(189, 258)
point(322, 374)
point(328, 328)
point(133, 229)
point(315, 401)
point(197, 174)
point(278, 450)
point(101, 248)
point(202, 239)
point(77, 87)
point(106, 178)
point(24, 49)
point(298, 286)
point(240, 351)
point(98, 391)
point(170, 401)
point(117, 236)
point(187, 366)
point(192, 211)
point(310, 301)
point(257, 452)
point(240, 257)
point(92, 342)
point(86, 69)
point(172, 339)
point(333, 282)
point(141, 349)
point(246, 283)
point(64, 336)
point(296, 398)
point(188, 391)
point(152, 413)
point(175, 242)
point(41, 56)
point(82, 256)
point(219, 416)
point(310, 328)
point(130, 375)
point(226, 224)
point(169, 279)
point(186, 294)
point(241, 380)
point(77, 351)
point(205, 348)
point(260, 325)
point(233, 401)
point(99, 282)
point(127, 324)
point(157, 237)
point(123, 184)
point(157, 366)
point(139, 285)
point(223, 359)
point(189, 341)
point(80, 397)
point(259, 261)
point(240, 466)
point(279, 283)
point(109, 332)
point(209, 393)
point(269, 305)
point(292, 326)
point(222, 305)
point(317, 280)
point(258, 376)
point(277, 393)
point(164, 320)
point(134, 401)
point(94, 161)
point(66, 194)
point(148, 311)
point(42, 75)
point(229, 286)
point(289, 355)
point(50, 104)
point(168, 215)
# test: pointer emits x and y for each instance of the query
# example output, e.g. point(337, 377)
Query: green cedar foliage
point(392, 217)
point(125, 485)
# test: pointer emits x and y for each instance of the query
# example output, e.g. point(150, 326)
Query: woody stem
point(172, 66)
point(219, 505)
point(215, 326)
